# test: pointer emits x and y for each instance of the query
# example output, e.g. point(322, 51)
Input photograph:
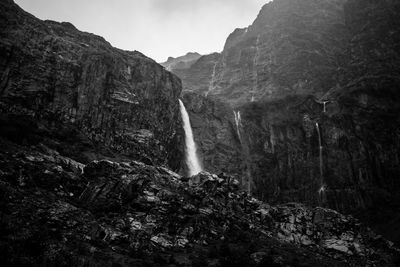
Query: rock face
point(214, 127)
point(182, 62)
point(331, 63)
point(56, 211)
point(123, 99)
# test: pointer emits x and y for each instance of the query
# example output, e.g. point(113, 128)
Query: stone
point(339, 245)
point(161, 241)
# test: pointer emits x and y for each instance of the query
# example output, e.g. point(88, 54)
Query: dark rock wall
point(343, 53)
point(118, 98)
point(359, 129)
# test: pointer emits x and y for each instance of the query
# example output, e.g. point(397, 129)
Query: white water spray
point(272, 138)
point(323, 104)
point(238, 123)
point(192, 161)
point(321, 163)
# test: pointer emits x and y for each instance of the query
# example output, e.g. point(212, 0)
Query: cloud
point(173, 7)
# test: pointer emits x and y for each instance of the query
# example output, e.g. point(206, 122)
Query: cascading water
point(247, 179)
point(192, 161)
point(238, 123)
point(272, 138)
point(323, 103)
point(322, 189)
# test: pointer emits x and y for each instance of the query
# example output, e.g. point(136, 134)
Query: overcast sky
point(157, 28)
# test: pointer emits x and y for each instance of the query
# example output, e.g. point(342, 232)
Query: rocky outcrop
point(52, 71)
point(183, 62)
point(56, 211)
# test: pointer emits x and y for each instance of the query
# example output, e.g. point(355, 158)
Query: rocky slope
point(335, 63)
point(57, 211)
point(53, 72)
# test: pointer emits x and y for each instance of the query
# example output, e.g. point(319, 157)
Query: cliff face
point(293, 47)
point(122, 99)
point(201, 76)
point(334, 64)
point(347, 146)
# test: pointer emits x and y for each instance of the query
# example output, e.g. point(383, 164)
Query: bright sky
point(157, 28)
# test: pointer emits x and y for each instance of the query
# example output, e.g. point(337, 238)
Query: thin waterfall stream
point(321, 162)
point(191, 158)
point(238, 123)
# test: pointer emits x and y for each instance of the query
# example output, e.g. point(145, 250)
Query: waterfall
point(238, 123)
point(321, 163)
point(247, 180)
point(192, 160)
point(272, 138)
point(212, 81)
